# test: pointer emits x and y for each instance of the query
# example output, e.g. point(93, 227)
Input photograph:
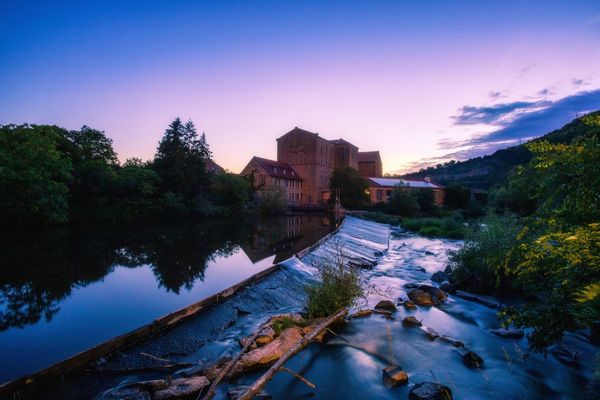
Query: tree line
point(51, 175)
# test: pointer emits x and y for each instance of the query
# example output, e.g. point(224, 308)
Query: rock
point(267, 335)
point(439, 277)
point(411, 321)
point(421, 269)
point(429, 253)
point(448, 270)
point(452, 341)
point(565, 353)
point(361, 313)
point(182, 387)
point(429, 391)
point(378, 253)
point(434, 292)
point(471, 359)
point(447, 287)
point(266, 355)
point(410, 286)
point(235, 392)
point(430, 332)
point(410, 305)
point(386, 305)
point(485, 300)
point(508, 333)
point(394, 376)
point(420, 297)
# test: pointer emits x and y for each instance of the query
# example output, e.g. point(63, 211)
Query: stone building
point(269, 175)
point(380, 189)
point(312, 159)
point(369, 164)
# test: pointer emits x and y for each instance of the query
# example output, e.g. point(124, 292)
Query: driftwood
point(296, 375)
point(257, 386)
point(213, 387)
point(338, 335)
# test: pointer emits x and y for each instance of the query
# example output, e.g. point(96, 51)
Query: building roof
point(364, 156)
point(212, 166)
point(278, 169)
point(341, 141)
point(298, 130)
point(392, 182)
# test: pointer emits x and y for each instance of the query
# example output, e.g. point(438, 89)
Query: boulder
point(429, 391)
point(565, 353)
point(447, 287)
point(508, 333)
point(378, 253)
point(235, 392)
point(420, 269)
point(361, 313)
point(410, 305)
point(430, 332)
point(471, 359)
point(439, 277)
point(410, 286)
point(267, 334)
point(448, 270)
point(420, 297)
point(182, 388)
point(452, 341)
point(429, 253)
point(393, 376)
point(386, 305)
point(411, 321)
point(435, 293)
point(485, 300)
point(268, 354)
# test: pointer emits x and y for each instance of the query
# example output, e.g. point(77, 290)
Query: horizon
point(421, 83)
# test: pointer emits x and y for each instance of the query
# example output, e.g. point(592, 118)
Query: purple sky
point(416, 80)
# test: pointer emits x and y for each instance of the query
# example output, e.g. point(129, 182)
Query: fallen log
point(296, 375)
point(213, 387)
point(257, 386)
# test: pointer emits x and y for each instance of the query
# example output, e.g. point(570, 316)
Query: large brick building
point(312, 159)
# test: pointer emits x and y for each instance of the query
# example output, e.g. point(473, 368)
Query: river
point(67, 289)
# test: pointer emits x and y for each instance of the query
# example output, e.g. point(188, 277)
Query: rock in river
point(452, 341)
point(410, 305)
point(411, 321)
point(429, 391)
point(393, 375)
point(470, 358)
point(426, 295)
point(430, 332)
point(564, 353)
point(447, 287)
point(386, 305)
point(439, 277)
point(508, 333)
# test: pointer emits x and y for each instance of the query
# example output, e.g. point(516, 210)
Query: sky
point(422, 82)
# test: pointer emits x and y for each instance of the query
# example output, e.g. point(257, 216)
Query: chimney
point(427, 179)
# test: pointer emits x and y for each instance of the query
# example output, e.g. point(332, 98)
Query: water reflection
point(39, 270)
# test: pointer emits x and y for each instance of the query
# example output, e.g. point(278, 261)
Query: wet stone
point(411, 321)
point(439, 277)
point(393, 375)
point(361, 313)
point(430, 391)
point(471, 359)
point(420, 297)
point(565, 353)
point(430, 332)
point(447, 287)
point(485, 300)
point(386, 305)
point(235, 392)
point(410, 305)
point(508, 333)
point(452, 341)
point(421, 269)
point(182, 388)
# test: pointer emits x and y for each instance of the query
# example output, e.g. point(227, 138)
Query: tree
point(353, 188)
point(403, 202)
point(426, 199)
point(34, 174)
point(180, 161)
point(457, 196)
point(230, 190)
point(92, 145)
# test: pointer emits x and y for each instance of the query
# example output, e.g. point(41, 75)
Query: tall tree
point(353, 188)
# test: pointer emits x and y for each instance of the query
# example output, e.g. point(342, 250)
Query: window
point(262, 180)
point(379, 194)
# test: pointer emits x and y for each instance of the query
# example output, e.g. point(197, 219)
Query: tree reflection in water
point(40, 268)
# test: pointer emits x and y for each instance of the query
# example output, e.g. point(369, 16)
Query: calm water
point(65, 290)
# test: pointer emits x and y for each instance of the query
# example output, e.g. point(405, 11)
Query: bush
point(272, 202)
point(457, 196)
point(382, 218)
point(403, 202)
point(340, 287)
point(479, 264)
point(450, 226)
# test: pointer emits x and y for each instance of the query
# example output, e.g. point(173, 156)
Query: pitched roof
point(298, 130)
point(365, 156)
point(391, 182)
point(341, 141)
point(212, 166)
point(278, 169)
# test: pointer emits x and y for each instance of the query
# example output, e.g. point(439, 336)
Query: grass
point(282, 324)
point(449, 226)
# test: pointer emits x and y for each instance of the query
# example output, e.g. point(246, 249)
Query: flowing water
point(353, 369)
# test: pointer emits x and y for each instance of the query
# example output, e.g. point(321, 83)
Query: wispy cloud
point(499, 114)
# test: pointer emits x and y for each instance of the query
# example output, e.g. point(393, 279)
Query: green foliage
point(230, 190)
point(282, 324)
point(457, 196)
point(353, 188)
point(479, 264)
point(272, 202)
point(382, 218)
point(340, 286)
point(425, 199)
point(451, 226)
point(180, 161)
point(403, 202)
point(34, 175)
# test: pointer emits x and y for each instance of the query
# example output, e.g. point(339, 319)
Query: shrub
point(272, 202)
point(479, 264)
point(403, 202)
point(340, 286)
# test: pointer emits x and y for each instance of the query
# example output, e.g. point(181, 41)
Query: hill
point(484, 172)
